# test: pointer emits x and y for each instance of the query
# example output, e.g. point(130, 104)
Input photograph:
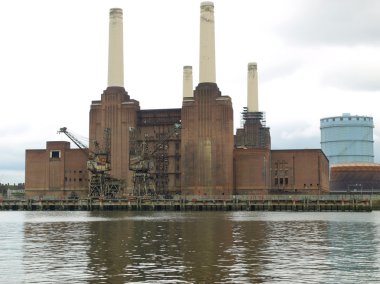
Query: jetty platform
point(359, 203)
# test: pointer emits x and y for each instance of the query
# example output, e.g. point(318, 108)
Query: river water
point(189, 247)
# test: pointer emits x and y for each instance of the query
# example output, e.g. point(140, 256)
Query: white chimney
point(207, 44)
point(252, 88)
point(187, 81)
point(115, 49)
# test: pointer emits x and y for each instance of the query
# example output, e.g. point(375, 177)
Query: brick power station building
point(202, 157)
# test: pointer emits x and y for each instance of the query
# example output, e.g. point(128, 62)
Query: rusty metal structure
point(101, 183)
point(149, 160)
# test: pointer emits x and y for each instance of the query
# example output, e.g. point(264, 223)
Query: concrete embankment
point(203, 203)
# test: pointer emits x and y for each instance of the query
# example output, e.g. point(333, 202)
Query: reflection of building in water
point(203, 158)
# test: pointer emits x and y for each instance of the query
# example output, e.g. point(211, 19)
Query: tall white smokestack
point(115, 49)
point(187, 81)
point(207, 44)
point(252, 88)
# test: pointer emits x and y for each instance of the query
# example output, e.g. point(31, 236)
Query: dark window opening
point(55, 154)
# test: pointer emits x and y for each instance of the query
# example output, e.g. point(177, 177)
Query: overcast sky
point(316, 58)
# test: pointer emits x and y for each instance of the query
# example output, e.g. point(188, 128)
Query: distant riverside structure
point(347, 139)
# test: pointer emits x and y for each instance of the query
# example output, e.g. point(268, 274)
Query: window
point(276, 181)
point(55, 154)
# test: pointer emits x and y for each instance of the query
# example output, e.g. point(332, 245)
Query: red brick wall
point(207, 143)
point(299, 171)
point(252, 171)
point(55, 177)
point(118, 112)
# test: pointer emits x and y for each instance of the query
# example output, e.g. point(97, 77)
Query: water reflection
point(159, 246)
point(55, 245)
point(189, 247)
point(11, 244)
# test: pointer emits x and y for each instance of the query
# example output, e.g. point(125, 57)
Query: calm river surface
point(189, 247)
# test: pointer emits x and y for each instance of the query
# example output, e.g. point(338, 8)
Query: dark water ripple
point(191, 247)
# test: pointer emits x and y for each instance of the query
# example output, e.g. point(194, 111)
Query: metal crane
point(101, 184)
point(142, 161)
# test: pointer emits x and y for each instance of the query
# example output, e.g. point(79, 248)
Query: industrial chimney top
point(252, 65)
point(207, 3)
point(116, 11)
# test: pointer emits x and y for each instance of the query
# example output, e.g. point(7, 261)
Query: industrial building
point(355, 178)
point(190, 150)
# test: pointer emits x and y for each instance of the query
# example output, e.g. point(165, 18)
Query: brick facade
point(57, 171)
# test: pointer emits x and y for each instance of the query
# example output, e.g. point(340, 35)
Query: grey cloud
point(12, 165)
point(300, 136)
point(299, 143)
point(334, 22)
point(280, 69)
point(357, 79)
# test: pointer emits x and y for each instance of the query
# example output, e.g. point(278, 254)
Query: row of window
point(285, 181)
point(67, 179)
point(281, 181)
point(280, 173)
point(74, 171)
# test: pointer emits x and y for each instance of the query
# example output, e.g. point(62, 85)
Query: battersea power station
point(191, 150)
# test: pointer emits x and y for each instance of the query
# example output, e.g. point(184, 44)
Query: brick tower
point(207, 124)
point(116, 110)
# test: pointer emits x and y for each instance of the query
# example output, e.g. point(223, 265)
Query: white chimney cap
point(207, 3)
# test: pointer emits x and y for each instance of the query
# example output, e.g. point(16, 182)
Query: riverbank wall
point(359, 203)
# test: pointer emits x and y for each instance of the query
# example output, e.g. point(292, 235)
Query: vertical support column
point(252, 88)
point(115, 49)
point(207, 44)
point(187, 81)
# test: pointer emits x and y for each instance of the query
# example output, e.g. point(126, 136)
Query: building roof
point(356, 167)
